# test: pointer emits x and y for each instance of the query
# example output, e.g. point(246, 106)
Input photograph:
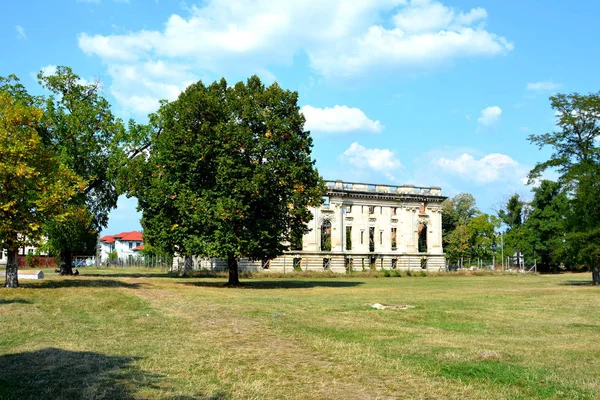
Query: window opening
point(349, 264)
point(422, 232)
point(297, 264)
point(348, 238)
point(326, 236)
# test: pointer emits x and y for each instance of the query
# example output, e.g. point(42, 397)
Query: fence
point(514, 263)
point(150, 261)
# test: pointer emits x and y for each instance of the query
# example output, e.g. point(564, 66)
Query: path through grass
point(122, 333)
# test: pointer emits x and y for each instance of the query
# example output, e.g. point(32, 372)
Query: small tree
point(229, 173)
point(512, 216)
point(34, 185)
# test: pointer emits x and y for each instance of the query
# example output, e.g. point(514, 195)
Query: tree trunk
point(12, 271)
point(232, 266)
point(66, 263)
point(188, 265)
point(595, 275)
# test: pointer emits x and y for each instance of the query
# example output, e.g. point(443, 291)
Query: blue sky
point(431, 93)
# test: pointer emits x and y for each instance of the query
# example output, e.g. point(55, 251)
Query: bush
point(32, 260)
point(113, 257)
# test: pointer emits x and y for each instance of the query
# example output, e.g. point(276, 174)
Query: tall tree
point(456, 236)
point(34, 184)
point(80, 126)
point(229, 173)
point(545, 227)
point(512, 216)
point(482, 231)
point(576, 156)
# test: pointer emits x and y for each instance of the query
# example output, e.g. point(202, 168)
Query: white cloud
point(338, 119)
point(20, 32)
point(489, 116)
point(48, 70)
point(378, 160)
point(339, 37)
point(490, 168)
point(546, 86)
point(99, 1)
point(140, 86)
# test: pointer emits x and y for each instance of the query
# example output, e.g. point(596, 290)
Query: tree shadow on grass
point(14, 301)
point(77, 282)
point(578, 283)
point(62, 374)
point(132, 275)
point(277, 284)
point(55, 373)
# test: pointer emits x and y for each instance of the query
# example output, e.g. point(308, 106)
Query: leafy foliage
point(80, 126)
point(466, 232)
point(545, 227)
point(576, 157)
point(34, 184)
point(229, 173)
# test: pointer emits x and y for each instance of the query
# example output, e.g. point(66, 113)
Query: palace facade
point(363, 226)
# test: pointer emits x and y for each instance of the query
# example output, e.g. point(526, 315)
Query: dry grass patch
point(122, 333)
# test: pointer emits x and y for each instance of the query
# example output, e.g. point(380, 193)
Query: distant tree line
point(560, 226)
point(226, 171)
point(222, 171)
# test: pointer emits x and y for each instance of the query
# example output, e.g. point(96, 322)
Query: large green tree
point(34, 184)
point(576, 157)
point(456, 237)
point(512, 216)
point(545, 227)
point(229, 173)
point(79, 125)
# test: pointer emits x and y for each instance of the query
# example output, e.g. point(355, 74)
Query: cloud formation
point(379, 160)
point(340, 38)
point(545, 86)
point(489, 116)
point(338, 119)
point(490, 168)
point(20, 32)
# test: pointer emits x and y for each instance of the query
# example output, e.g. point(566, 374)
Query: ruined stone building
point(361, 226)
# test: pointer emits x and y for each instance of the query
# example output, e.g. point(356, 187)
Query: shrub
point(32, 260)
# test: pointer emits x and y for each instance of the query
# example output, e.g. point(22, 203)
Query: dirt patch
point(391, 306)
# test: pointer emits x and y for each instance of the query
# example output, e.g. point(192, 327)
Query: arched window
point(326, 235)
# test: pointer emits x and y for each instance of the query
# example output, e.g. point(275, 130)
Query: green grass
point(142, 334)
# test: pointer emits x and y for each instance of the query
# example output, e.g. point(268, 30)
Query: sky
point(422, 92)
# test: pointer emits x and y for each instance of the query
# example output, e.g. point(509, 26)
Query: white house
point(125, 244)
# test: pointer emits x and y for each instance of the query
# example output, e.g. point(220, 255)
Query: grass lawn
point(141, 334)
